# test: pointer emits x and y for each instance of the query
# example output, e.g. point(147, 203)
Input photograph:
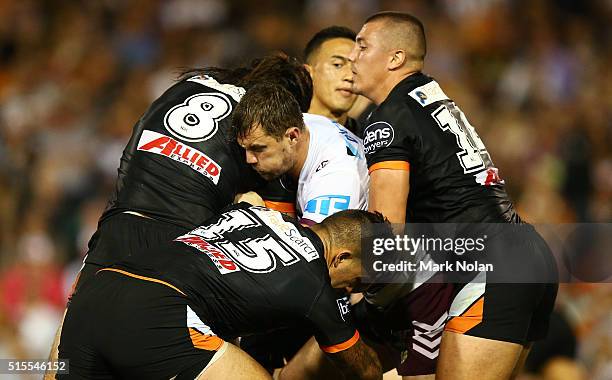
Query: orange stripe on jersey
point(342, 346)
point(393, 165)
point(142, 278)
point(281, 206)
point(203, 341)
point(470, 318)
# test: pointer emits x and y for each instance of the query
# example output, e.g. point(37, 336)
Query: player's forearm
point(358, 362)
point(389, 193)
point(309, 363)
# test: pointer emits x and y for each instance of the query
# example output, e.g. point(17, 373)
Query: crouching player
point(160, 315)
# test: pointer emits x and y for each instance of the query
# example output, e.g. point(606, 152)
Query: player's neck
point(316, 108)
point(323, 234)
point(301, 154)
point(385, 88)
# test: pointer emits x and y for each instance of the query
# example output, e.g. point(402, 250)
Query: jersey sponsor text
point(157, 143)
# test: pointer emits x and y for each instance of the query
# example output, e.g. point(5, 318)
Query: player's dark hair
point(269, 105)
point(346, 227)
point(277, 68)
point(414, 29)
point(326, 34)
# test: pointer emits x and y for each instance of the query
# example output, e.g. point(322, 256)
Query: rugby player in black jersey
point(160, 313)
point(181, 166)
point(428, 165)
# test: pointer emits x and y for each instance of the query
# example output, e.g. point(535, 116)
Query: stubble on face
point(368, 59)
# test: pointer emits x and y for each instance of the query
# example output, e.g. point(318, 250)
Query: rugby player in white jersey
point(320, 160)
point(324, 158)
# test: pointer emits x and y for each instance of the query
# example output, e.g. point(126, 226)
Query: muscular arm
point(356, 362)
point(389, 193)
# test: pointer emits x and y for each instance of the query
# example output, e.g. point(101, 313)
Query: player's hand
point(250, 197)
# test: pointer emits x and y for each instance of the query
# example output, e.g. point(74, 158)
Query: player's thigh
point(465, 357)
point(521, 361)
point(233, 363)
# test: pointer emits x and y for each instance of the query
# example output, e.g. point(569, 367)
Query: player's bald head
point(402, 31)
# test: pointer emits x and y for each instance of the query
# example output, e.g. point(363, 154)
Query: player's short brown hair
point(270, 106)
point(411, 29)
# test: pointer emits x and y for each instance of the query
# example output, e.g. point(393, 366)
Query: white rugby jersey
point(335, 174)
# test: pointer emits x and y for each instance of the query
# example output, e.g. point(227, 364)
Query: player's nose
point(348, 75)
point(250, 158)
point(353, 54)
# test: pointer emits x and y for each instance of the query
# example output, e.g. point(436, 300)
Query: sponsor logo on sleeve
point(322, 165)
point(163, 145)
point(197, 119)
point(327, 204)
point(377, 135)
point(428, 93)
point(343, 306)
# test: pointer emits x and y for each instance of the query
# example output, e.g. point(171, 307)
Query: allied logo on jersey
point(197, 119)
point(322, 165)
point(223, 263)
point(327, 204)
point(343, 306)
point(377, 135)
point(163, 145)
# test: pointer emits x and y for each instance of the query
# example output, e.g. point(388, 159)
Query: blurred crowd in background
point(533, 77)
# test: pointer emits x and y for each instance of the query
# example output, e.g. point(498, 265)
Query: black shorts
point(120, 325)
point(516, 313)
point(121, 235)
point(488, 307)
point(512, 304)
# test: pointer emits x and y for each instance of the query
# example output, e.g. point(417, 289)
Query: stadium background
point(533, 77)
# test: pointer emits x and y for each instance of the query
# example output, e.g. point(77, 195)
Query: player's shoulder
point(412, 95)
point(321, 127)
point(202, 93)
point(329, 133)
point(405, 112)
point(205, 83)
point(193, 109)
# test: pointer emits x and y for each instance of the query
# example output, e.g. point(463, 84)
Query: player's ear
point(396, 59)
point(341, 258)
point(309, 69)
point(293, 134)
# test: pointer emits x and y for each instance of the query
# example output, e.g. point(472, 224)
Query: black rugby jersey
point(253, 270)
point(452, 177)
point(181, 165)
